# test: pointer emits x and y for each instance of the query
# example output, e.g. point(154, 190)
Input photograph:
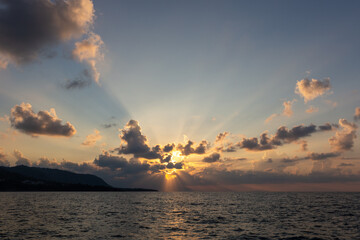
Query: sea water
point(180, 215)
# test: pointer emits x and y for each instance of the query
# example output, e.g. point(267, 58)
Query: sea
point(179, 215)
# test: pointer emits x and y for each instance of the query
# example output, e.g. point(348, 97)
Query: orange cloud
point(92, 138)
point(312, 109)
point(288, 108)
point(271, 117)
point(89, 51)
point(344, 138)
point(310, 90)
point(357, 114)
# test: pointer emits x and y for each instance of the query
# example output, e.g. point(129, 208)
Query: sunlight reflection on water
point(98, 215)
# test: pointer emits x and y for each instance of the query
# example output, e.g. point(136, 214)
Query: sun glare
point(170, 175)
point(177, 156)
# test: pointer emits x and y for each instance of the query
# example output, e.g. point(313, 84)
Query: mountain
point(59, 176)
point(23, 178)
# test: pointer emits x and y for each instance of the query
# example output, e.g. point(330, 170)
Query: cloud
point(188, 148)
point(3, 63)
point(178, 165)
point(89, 51)
point(303, 145)
point(133, 142)
point(344, 137)
point(25, 120)
point(221, 136)
point(235, 159)
point(357, 114)
point(287, 111)
point(331, 103)
point(229, 148)
point(166, 158)
point(5, 118)
point(44, 162)
point(253, 144)
point(282, 136)
point(127, 168)
point(3, 161)
point(29, 28)
point(288, 108)
point(231, 177)
point(327, 127)
point(91, 139)
point(81, 81)
point(169, 147)
point(310, 90)
point(109, 125)
point(21, 159)
point(114, 162)
point(312, 109)
point(322, 156)
point(271, 117)
point(346, 165)
point(215, 157)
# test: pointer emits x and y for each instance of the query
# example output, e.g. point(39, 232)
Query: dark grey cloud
point(166, 158)
point(133, 142)
point(156, 168)
point(121, 165)
point(235, 159)
point(328, 127)
point(215, 157)
point(229, 148)
point(77, 83)
point(291, 160)
point(346, 165)
point(112, 162)
point(169, 147)
point(253, 144)
point(323, 156)
point(83, 80)
point(178, 165)
point(25, 120)
point(109, 125)
point(188, 148)
point(282, 136)
point(29, 28)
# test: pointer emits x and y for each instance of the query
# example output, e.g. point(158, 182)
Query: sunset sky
point(184, 95)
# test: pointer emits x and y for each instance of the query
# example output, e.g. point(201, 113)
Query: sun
point(177, 156)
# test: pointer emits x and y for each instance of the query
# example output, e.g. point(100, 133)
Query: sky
point(184, 95)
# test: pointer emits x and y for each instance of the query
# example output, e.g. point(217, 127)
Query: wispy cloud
point(91, 139)
point(312, 109)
